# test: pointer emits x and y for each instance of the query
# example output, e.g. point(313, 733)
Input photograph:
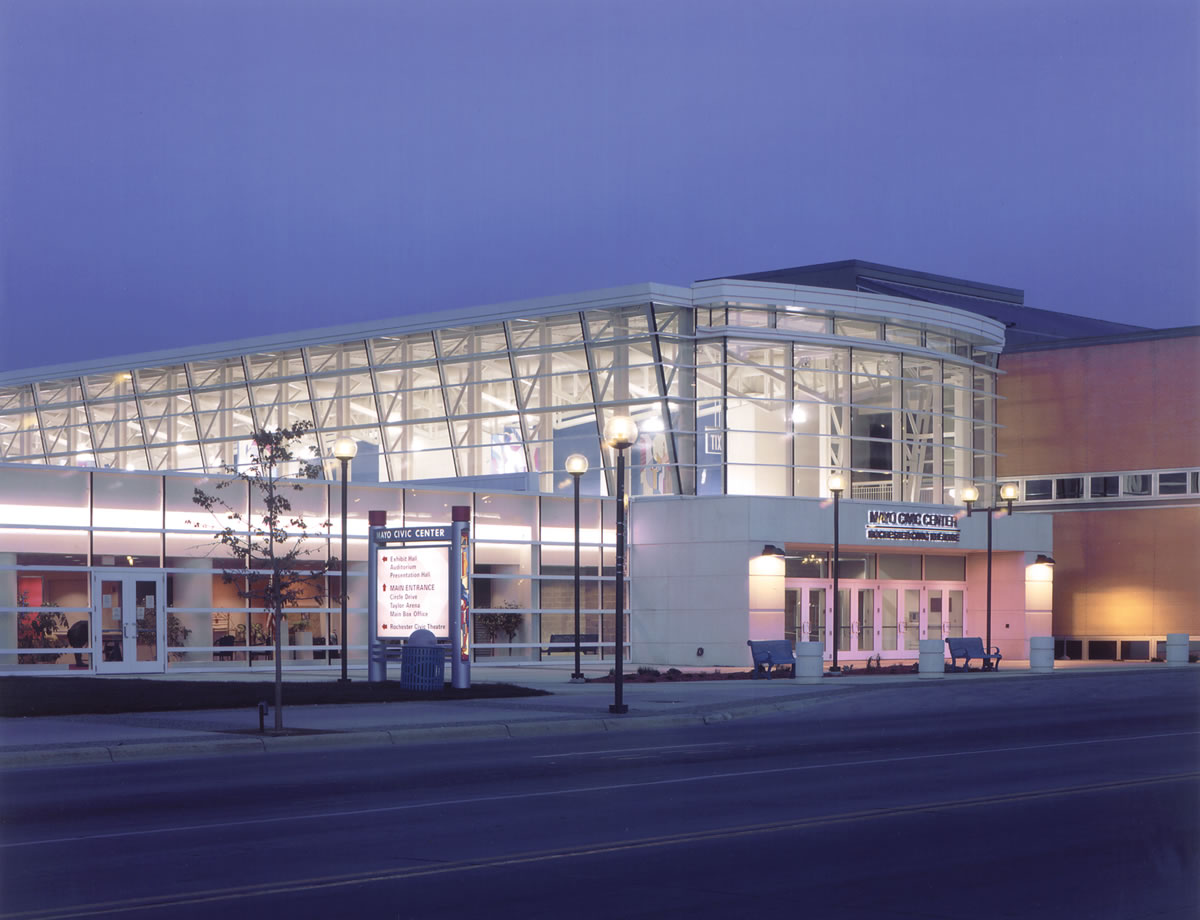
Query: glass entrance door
point(887, 618)
point(806, 610)
point(129, 606)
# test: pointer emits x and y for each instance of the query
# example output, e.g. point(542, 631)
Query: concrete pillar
point(1177, 649)
point(1041, 653)
point(8, 598)
point(765, 595)
point(188, 590)
point(809, 661)
point(932, 659)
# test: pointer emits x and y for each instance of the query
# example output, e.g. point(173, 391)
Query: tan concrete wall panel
point(1127, 572)
point(1130, 405)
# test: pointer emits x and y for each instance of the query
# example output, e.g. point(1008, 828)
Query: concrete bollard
point(933, 659)
point(1041, 653)
point(1177, 649)
point(809, 661)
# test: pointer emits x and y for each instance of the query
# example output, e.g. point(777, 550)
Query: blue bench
point(773, 653)
point(587, 643)
point(968, 647)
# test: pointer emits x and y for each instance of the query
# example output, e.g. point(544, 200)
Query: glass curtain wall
point(740, 399)
point(59, 527)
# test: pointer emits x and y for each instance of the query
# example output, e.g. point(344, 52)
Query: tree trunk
point(279, 628)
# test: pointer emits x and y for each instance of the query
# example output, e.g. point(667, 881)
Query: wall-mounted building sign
point(921, 526)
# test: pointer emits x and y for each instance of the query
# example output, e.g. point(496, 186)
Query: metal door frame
point(129, 663)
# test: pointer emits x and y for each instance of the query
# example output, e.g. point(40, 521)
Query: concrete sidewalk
point(572, 707)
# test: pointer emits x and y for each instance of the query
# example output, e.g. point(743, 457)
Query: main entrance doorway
point(885, 618)
point(129, 607)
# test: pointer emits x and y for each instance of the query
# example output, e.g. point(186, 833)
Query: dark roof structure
point(1024, 325)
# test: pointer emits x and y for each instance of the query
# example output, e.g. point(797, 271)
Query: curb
point(214, 747)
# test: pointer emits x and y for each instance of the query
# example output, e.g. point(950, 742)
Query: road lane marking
point(268, 889)
point(578, 790)
point(664, 747)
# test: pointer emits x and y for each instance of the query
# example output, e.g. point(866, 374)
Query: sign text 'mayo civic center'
point(400, 534)
point(920, 526)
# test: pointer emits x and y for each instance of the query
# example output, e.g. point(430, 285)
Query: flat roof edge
point(1149, 335)
point(897, 274)
point(626, 295)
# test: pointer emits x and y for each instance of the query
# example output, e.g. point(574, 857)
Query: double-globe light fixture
point(970, 495)
point(620, 432)
point(577, 465)
point(344, 450)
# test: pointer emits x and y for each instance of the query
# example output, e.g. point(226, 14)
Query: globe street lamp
point(344, 450)
point(970, 495)
point(577, 465)
point(836, 486)
point(620, 431)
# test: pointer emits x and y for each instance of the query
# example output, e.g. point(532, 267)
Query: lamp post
point(577, 465)
point(620, 431)
point(836, 486)
point(344, 450)
point(970, 495)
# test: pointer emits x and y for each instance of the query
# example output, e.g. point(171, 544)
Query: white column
point(765, 596)
point(357, 585)
point(8, 621)
point(195, 591)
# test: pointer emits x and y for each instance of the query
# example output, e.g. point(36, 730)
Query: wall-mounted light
point(1043, 559)
point(772, 550)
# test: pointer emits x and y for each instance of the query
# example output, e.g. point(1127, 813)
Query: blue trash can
point(422, 662)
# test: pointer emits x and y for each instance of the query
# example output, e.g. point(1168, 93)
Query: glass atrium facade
point(737, 388)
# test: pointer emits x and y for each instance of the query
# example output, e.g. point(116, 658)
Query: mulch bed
point(56, 696)
point(674, 674)
point(857, 671)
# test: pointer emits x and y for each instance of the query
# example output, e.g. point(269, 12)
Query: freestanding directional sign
point(419, 580)
point(412, 590)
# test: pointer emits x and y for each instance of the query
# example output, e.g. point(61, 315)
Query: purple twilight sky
point(175, 172)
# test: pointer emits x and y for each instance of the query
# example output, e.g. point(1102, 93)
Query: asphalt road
point(1038, 798)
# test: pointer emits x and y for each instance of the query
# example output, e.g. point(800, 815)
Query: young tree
point(276, 570)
